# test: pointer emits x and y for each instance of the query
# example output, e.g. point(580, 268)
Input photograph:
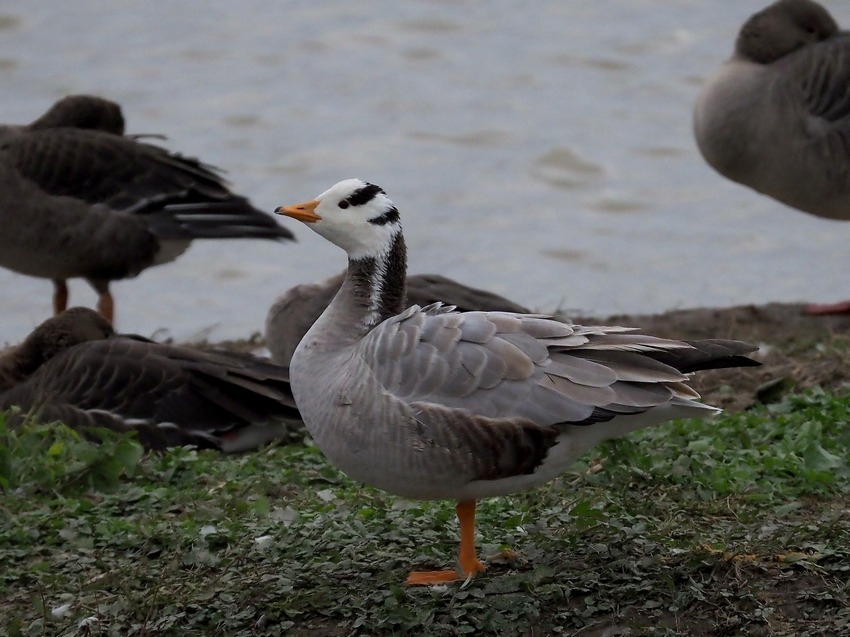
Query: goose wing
point(816, 80)
point(181, 196)
point(500, 364)
point(102, 168)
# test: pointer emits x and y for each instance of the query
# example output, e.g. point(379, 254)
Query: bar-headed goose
point(75, 369)
point(430, 403)
point(776, 115)
point(294, 311)
point(91, 203)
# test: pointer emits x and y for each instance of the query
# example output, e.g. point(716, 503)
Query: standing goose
point(294, 311)
point(91, 203)
point(75, 369)
point(430, 403)
point(776, 115)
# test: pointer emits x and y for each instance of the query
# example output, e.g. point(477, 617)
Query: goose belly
point(383, 447)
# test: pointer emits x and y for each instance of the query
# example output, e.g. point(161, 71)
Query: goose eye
point(343, 204)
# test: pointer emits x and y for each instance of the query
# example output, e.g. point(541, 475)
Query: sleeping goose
point(776, 115)
point(76, 111)
point(75, 369)
point(431, 403)
point(294, 311)
point(91, 203)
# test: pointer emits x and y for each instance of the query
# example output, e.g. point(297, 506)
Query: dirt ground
point(797, 351)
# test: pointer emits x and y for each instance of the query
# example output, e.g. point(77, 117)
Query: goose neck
point(377, 283)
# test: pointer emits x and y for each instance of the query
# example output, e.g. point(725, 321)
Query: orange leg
point(106, 306)
point(60, 296)
point(468, 563)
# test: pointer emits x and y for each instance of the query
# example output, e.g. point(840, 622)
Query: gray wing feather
point(641, 394)
point(586, 372)
point(630, 366)
point(632, 343)
point(474, 326)
point(545, 405)
point(578, 392)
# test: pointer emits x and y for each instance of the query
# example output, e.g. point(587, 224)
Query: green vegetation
point(737, 526)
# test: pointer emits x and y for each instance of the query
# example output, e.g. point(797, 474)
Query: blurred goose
point(776, 115)
point(75, 111)
point(75, 369)
point(297, 309)
point(91, 203)
point(431, 403)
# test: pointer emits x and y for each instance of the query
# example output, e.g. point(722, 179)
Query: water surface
point(543, 152)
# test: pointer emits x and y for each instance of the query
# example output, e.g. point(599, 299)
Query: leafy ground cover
point(737, 526)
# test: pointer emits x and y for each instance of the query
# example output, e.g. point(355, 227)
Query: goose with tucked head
point(776, 115)
point(74, 368)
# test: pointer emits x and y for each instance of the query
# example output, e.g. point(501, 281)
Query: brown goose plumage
point(73, 368)
point(91, 203)
point(76, 111)
point(431, 403)
point(294, 311)
point(776, 115)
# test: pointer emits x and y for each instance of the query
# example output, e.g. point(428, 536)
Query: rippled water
point(543, 151)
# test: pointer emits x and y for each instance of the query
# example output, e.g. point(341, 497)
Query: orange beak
point(305, 212)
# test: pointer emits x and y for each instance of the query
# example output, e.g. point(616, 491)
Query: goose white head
point(353, 214)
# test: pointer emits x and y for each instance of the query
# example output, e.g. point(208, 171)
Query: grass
point(738, 526)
